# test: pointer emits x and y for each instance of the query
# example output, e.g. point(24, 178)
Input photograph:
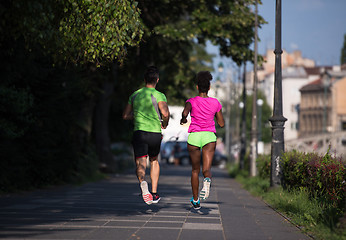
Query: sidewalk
point(113, 209)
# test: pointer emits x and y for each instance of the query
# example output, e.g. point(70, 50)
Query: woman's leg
point(195, 155)
point(208, 151)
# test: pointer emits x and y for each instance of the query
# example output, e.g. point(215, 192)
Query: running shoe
point(195, 204)
point(147, 197)
point(156, 197)
point(204, 193)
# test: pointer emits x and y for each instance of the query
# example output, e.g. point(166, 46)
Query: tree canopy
point(227, 24)
point(63, 61)
point(175, 37)
point(80, 32)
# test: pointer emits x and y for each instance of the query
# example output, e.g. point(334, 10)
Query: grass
point(313, 218)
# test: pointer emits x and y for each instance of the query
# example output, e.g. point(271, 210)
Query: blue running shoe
point(195, 204)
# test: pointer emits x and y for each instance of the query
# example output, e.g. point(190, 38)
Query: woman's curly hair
point(203, 81)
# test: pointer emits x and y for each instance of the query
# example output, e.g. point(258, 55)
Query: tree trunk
point(101, 124)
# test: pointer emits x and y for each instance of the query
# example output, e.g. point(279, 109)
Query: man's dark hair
point(151, 75)
point(203, 81)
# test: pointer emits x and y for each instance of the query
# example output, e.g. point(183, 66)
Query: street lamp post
point(254, 106)
point(259, 104)
point(243, 123)
point(277, 120)
point(260, 146)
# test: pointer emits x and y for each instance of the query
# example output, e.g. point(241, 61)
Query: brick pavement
point(113, 209)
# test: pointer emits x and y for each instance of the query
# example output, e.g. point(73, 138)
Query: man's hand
point(163, 107)
point(162, 126)
point(128, 112)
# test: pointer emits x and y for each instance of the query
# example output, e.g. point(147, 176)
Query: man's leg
point(154, 173)
point(154, 144)
point(141, 165)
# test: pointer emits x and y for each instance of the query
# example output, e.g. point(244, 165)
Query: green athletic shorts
point(199, 139)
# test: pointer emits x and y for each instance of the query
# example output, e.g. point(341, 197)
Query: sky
point(315, 27)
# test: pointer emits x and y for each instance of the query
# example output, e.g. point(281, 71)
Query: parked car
point(168, 154)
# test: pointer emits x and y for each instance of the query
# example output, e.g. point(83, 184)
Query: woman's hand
point(185, 112)
point(183, 121)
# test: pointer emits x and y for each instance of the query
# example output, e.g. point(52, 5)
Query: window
point(293, 108)
point(293, 125)
point(343, 125)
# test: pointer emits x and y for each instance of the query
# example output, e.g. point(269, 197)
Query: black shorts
point(146, 143)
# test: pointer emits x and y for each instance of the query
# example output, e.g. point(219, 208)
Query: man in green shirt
point(148, 109)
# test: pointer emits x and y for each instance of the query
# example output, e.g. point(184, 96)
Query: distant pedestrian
point(203, 110)
point(148, 108)
point(176, 151)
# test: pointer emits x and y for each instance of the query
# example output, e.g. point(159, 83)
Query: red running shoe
point(156, 197)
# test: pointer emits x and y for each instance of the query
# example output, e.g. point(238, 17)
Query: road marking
point(202, 226)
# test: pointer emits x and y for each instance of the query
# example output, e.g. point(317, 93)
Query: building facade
point(293, 78)
point(323, 105)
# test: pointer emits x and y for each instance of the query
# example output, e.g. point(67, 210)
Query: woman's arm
point(185, 113)
point(219, 119)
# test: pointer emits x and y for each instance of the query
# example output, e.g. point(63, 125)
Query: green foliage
point(323, 177)
point(314, 215)
point(81, 32)
point(228, 24)
point(266, 113)
point(318, 220)
point(255, 185)
point(99, 31)
point(15, 118)
point(47, 102)
point(46, 142)
point(263, 163)
point(235, 171)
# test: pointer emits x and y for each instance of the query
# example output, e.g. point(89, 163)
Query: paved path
point(113, 209)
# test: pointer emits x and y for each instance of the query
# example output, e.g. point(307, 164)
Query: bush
point(263, 166)
point(324, 177)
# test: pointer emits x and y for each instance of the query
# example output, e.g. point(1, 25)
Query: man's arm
point(128, 112)
point(164, 113)
point(185, 113)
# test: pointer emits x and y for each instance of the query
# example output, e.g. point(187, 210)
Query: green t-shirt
point(146, 117)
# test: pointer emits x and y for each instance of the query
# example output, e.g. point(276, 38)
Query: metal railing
point(320, 144)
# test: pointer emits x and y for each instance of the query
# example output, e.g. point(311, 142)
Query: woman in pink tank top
point(203, 110)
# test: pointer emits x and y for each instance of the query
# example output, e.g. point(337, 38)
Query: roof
point(315, 85)
point(316, 70)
